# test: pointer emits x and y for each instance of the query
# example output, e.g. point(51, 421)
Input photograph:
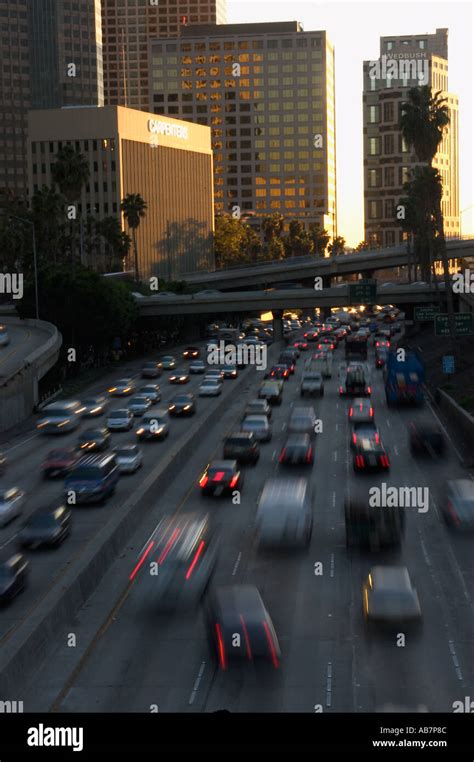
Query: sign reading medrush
point(156, 126)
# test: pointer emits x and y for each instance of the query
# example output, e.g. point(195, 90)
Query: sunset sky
point(355, 29)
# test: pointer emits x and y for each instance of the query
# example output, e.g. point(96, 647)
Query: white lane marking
point(236, 565)
point(395, 450)
point(445, 430)
point(9, 541)
point(329, 684)
point(388, 423)
point(196, 684)
point(283, 427)
point(335, 455)
point(333, 499)
point(454, 657)
point(454, 561)
point(331, 573)
point(20, 444)
point(337, 427)
point(274, 455)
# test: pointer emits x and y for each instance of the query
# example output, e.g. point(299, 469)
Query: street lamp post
point(35, 263)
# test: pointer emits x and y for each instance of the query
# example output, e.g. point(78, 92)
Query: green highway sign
point(424, 314)
point(463, 322)
point(362, 292)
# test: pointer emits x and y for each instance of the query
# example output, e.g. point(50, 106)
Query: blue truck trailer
point(404, 378)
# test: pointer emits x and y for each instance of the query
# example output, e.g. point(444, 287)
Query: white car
point(214, 373)
point(197, 366)
point(11, 504)
point(129, 458)
point(259, 426)
point(120, 420)
point(152, 391)
point(210, 387)
point(139, 404)
point(122, 388)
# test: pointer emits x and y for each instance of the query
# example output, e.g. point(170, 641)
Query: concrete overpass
point(299, 268)
point(33, 349)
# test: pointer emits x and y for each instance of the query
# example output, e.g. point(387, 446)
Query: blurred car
point(216, 373)
point(327, 341)
point(288, 358)
point(13, 576)
point(271, 391)
point(197, 366)
point(382, 344)
point(184, 550)
point(258, 407)
point(389, 597)
point(361, 410)
point(229, 371)
point(182, 404)
point(381, 355)
point(373, 527)
point(4, 336)
point(458, 505)
point(139, 404)
point(297, 451)
point(122, 388)
point(259, 426)
point(285, 513)
point(312, 383)
point(191, 353)
point(47, 526)
point(311, 335)
point(3, 462)
point(363, 430)
point(241, 446)
point(279, 372)
point(302, 421)
point(239, 610)
point(154, 425)
point(221, 477)
point(94, 440)
point(300, 344)
point(120, 420)
point(370, 455)
point(128, 458)
point(93, 479)
point(168, 362)
point(12, 501)
point(152, 391)
point(60, 417)
point(210, 387)
point(426, 439)
point(152, 369)
point(59, 462)
point(179, 377)
point(94, 406)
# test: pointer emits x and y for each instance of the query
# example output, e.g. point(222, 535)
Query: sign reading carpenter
point(158, 127)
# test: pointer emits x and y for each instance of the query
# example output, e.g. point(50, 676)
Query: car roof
point(155, 414)
point(240, 435)
point(233, 601)
point(462, 488)
point(223, 465)
point(284, 489)
point(258, 418)
point(298, 440)
point(390, 577)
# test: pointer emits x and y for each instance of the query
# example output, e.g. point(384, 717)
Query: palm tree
point(47, 212)
point(424, 119)
point(320, 238)
point(134, 208)
point(70, 172)
point(337, 245)
point(117, 242)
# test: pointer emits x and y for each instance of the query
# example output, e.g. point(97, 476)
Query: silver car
point(120, 420)
point(94, 406)
point(197, 366)
point(152, 391)
point(210, 387)
point(259, 426)
point(11, 504)
point(122, 388)
point(139, 405)
point(129, 458)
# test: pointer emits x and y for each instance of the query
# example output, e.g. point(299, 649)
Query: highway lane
point(24, 470)
point(23, 341)
point(142, 659)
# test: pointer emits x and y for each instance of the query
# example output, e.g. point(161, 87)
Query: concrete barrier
point(31, 642)
point(461, 420)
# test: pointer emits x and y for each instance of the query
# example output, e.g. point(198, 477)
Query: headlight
point(172, 407)
point(140, 431)
point(186, 407)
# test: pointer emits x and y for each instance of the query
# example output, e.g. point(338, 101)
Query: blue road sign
point(448, 364)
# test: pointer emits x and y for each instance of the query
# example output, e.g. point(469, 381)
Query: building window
point(373, 178)
point(388, 112)
point(389, 177)
point(389, 45)
point(422, 44)
point(389, 208)
point(373, 114)
point(388, 144)
point(374, 149)
point(373, 210)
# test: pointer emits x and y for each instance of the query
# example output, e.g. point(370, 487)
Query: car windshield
point(58, 413)
point(120, 414)
point(42, 520)
point(86, 472)
point(210, 382)
point(254, 424)
point(126, 452)
point(183, 399)
point(87, 435)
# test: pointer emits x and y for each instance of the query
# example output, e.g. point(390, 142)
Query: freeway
point(24, 340)
point(25, 455)
point(131, 659)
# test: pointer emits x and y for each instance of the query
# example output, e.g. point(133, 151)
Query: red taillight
point(234, 481)
point(350, 412)
point(195, 559)
point(282, 455)
point(271, 645)
point(169, 545)
point(141, 561)
point(371, 412)
point(309, 456)
point(247, 639)
point(220, 647)
point(341, 390)
point(203, 480)
point(377, 343)
point(369, 390)
point(359, 461)
point(354, 438)
point(384, 461)
point(377, 437)
point(218, 476)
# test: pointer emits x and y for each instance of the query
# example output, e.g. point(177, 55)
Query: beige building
point(168, 162)
point(404, 62)
point(128, 25)
point(267, 93)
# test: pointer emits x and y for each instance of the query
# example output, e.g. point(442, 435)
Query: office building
point(166, 161)
point(404, 62)
point(128, 25)
point(51, 52)
point(267, 93)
